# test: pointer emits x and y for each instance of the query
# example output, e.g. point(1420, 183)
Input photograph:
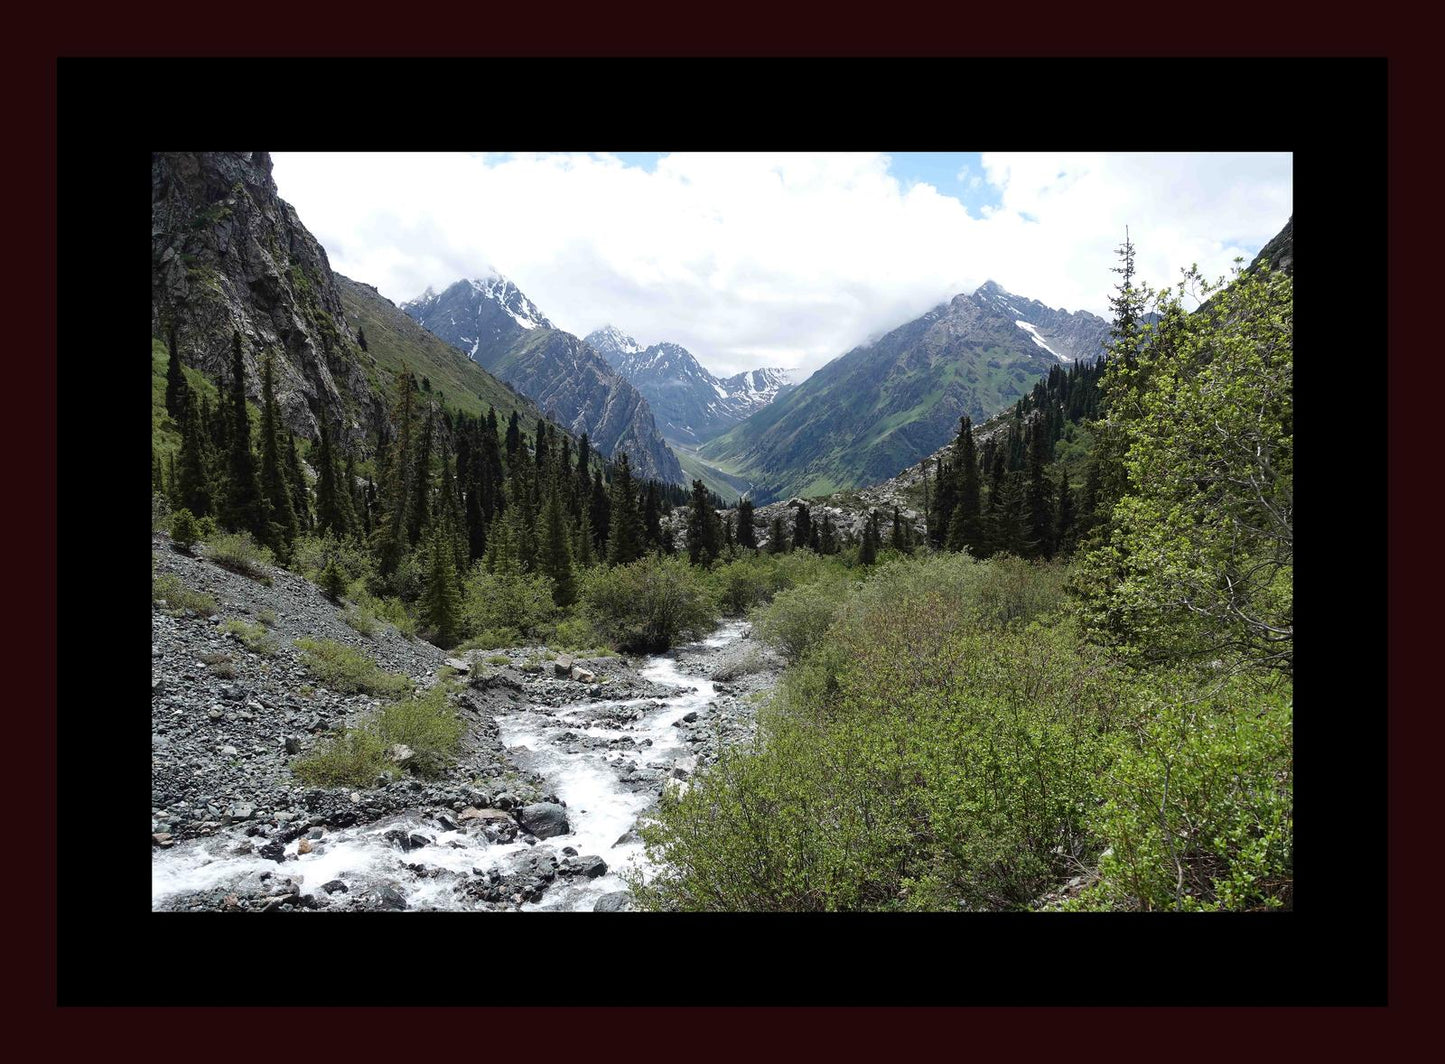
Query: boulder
point(390, 897)
point(617, 902)
point(589, 867)
point(399, 753)
point(563, 666)
point(581, 675)
point(459, 664)
point(334, 886)
point(544, 819)
point(484, 815)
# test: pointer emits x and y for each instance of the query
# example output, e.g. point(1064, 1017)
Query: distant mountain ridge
point(885, 405)
point(691, 404)
point(493, 322)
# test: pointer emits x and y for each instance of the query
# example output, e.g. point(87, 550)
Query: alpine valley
point(453, 609)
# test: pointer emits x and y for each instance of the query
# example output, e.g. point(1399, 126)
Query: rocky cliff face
point(227, 253)
point(504, 331)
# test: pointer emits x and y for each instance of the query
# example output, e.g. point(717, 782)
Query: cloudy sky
point(775, 259)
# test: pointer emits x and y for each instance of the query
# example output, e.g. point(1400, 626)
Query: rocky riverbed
point(560, 759)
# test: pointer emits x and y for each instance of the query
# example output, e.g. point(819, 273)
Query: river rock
point(390, 897)
point(617, 902)
point(459, 664)
point(562, 666)
point(544, 819)
point(581, 675)
point(591, 866)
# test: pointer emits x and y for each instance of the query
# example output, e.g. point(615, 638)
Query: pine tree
point(419, 508)
point(441, 602)
point(158, 481)
point(828, 537)
point(601, 509)
point(1064, 518)
point(778, 541)
point(177, 390)
point(296, 477)
point(555, 558)
point(965, 528)
point(171, 476)
point(747, 534)
point(514, 440)
point(625, 539)
point(191, 477)
point(729, 537)
point(899, 539)
point(945, 499)
point(389, 543)
point(704, 535)
point(802, 528)
point(244, 507)
point(328, 509)
point(274, 487)
point(586, 557)
point(1040, 496)
point(652, 518)
point(868, 550)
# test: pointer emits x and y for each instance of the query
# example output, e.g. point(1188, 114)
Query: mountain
point(395, 343)
point(883, 406)
point(228, 254)
point(690, 404)
point(495, 324)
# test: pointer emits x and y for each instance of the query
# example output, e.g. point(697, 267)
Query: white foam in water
point(599, 810)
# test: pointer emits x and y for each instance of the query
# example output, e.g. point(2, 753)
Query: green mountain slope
point(884, 406)
point(394, 341)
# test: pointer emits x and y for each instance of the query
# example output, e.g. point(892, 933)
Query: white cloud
point(749, 259)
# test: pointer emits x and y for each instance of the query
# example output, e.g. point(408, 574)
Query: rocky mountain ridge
point(494, 323)
point(691, 404)
point(885, 405)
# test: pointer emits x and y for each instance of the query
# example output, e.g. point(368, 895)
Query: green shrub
point(267, 617)
point(238, 552)
point(357, 757)
point(224, 669)
point(429, 725)
point(1198, 807)
point(492, 637)
point(160, 512)
point(919, 758)
point(352, 759)
point(499, 659)
point(333, 581)
point(507, 600)
point(348, 671)
point(311, 554)
point(744, 663)
point(184, 531)
point(798, 619)
point(576, 634)
point(178, 598)
point(253, 637)
point(649, 605)
point(362, 620)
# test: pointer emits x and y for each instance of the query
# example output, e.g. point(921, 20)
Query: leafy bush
point(358, 756)
point(352, 759)
point(348, 671)
point(499, 659)
point(1198, 808)
point(362, 620)
point(238, 552)
point(429, 725)
point(160, 512)
point(798, 619)
point(184, 530)
point(267, 617)
point(576, 633)
point(311, 554)
point(919, 758)
point(746, 662)
point(507, 600)
point(167, 588)
point(650, 604)
point(253, 637)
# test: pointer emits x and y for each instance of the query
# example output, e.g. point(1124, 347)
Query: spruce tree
point(828, 537)
point(296, 477)
point(585, 552)
point(177, 391)
point(868, 550)
point(244, 507)
point(704, 534)
point(601, 509)
point(158, 481)
point(419, 508)
point(747, 534)
point(328, 508)
point(778, 541)
point(555, 557)
point(389, 542)
point(191, 477)
point(514, 440)
point(652, 518)
point(441, 602)
point(965, 529)
point(899, 540)
point(1064, 518)
point(274, 486)
point(945, 499)
point(1040, 496)
point(171, 476)
point(802, 528)
point(625, 539)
